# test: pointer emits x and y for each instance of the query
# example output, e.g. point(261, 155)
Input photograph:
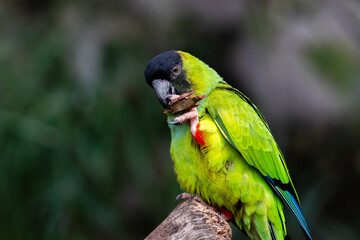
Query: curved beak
point(164, 90)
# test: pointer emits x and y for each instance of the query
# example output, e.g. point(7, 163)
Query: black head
point(165, 74)
point(160, 66)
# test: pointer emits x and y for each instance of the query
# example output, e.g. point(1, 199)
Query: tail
point(292, 204)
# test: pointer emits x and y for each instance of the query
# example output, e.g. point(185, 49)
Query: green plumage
point(239, 165)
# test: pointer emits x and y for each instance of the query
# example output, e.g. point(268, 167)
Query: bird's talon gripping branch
point(184, 196)
point(223, 212)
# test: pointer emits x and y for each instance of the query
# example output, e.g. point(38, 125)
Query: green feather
point(225, 105)
point(260, 150)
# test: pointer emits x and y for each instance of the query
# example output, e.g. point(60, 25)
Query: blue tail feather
point(293, 205)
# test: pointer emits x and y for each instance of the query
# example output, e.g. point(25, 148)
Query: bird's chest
point(200, 166)
point(186, 155)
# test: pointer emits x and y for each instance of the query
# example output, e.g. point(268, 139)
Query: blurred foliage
point(335, 63)
point(84, 147)
point(68, 155)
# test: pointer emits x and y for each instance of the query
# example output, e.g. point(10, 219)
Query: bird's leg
point(185, 196)
point(223, 212)
point(192, 116)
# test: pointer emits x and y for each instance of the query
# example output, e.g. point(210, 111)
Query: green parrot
point(222, 148)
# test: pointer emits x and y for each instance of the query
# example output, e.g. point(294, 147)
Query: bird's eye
point(176, 70)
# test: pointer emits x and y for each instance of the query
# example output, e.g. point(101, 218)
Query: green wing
point(242, 124)
point(245, 128)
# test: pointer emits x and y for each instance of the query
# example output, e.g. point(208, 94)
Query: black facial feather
point(161, 67)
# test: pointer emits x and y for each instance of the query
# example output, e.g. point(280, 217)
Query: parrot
point(222, 148)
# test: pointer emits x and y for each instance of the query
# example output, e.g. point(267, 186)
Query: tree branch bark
point(192, 220)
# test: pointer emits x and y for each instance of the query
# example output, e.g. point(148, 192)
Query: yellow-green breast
point(216, 171)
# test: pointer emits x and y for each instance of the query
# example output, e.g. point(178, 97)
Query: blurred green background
point(84, 148)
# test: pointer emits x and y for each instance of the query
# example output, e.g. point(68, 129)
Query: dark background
point(84, 148)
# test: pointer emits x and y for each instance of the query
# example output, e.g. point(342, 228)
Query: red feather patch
point(226, 213)
point(199, 137)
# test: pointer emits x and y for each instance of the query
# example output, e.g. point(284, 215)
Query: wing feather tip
point(292, 204)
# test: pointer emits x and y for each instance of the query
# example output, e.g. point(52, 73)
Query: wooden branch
point(192, 220)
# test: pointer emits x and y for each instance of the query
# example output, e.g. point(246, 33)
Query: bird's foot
point(191, 115)
point(223, 212)
point(185, 196)
point(174, 98)
point(193, 118)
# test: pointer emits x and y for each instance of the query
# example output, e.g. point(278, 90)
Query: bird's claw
point(175, 122)
point(184, 196)
point(191, 115)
